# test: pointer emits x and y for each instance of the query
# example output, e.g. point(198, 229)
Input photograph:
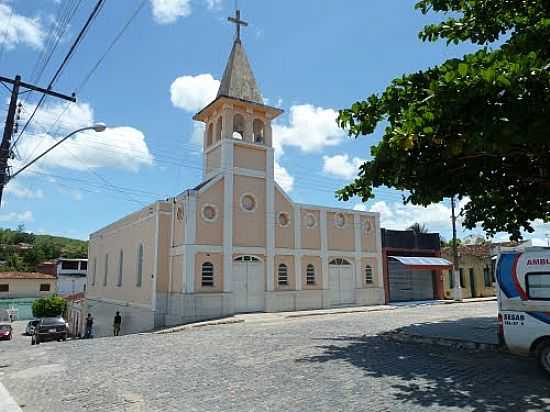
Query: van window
point(538, 286)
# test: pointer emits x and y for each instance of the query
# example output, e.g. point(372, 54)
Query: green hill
point(22, 251)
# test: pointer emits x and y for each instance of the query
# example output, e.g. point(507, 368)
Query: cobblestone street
point(321, 363)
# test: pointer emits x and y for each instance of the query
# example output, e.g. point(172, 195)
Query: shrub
point(50, 306)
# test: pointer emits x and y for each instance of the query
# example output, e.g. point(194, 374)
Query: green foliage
point(418, 228)
point(42, 247)
point(474, 127)
point(48, 307)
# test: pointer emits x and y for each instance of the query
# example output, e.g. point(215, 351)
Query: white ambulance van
point(523, 279)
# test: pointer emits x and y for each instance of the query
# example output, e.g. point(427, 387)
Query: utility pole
point(457, 290)
point(5, 146)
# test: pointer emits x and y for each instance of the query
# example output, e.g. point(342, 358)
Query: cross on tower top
point(238, 22)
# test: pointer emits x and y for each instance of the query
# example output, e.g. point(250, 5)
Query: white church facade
point(235, 243)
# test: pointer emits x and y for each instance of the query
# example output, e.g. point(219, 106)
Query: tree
point(418, 228)
point(47, 307)
point(475, 127)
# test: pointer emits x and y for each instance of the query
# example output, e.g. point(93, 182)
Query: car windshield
point(53, 321)
point(5, 327)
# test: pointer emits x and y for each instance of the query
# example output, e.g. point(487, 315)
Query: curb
point(198, 325)
point(343, 312)
point(399, 336)
point(7, 403)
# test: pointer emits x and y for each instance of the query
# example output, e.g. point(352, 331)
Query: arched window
point(120, 268)
point(310, 275)
point(238, 127)
point(282, 275)
point(207, 274)
point(369, 278)
point(339, 262)
point(210, 135)
point(106, 269)
point(139, 265)
point(259, 131)
point(94, 273)
point(219, 129)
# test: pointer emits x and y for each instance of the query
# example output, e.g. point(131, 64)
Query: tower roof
point(238, 80)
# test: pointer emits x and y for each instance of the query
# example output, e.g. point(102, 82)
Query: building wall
point(341, 238)
point(250, 157)
point(68, 285)
point(311, 236)
point(27, 288)
point(477, 264)
point(284, 235)
point(125, 235)
point(213, 159)
point(210, 233)
point(249, 228)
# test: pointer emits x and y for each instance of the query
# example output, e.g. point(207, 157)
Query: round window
point(248, 202)
point(310, 221)
point(340, 219)
point(209, 213)
point(284, 219)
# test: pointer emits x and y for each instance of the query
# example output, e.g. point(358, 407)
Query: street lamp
point(98, 127)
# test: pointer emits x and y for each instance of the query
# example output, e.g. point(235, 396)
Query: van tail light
point(500, 332)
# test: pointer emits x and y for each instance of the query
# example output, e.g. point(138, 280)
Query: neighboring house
point(413, 268)
point(476, 267)
point(26, 285)
point(236, 242)
point(71, 274)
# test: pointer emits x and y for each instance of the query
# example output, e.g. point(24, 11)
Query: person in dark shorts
point(89, 326)
point(116, 324)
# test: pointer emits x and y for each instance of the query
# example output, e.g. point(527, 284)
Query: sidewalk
point(467, 333)
point(279, 316)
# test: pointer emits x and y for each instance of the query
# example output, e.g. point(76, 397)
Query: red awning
point(423, 263)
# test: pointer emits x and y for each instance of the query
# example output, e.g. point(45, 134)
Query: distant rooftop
point(25, 275)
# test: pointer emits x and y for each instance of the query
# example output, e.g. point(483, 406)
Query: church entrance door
point(248, 284)
point(340, 282)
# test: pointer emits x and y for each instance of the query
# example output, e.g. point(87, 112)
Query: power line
point(81, 35)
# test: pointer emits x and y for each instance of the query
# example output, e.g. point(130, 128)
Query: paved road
point(322, 363)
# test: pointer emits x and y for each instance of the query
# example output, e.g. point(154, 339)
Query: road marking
point(7, 404)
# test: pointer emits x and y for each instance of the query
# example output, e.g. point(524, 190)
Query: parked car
point(30, 326)
point(49, 329)
point(5, 332)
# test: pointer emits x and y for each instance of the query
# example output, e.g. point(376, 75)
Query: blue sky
point(309, 57)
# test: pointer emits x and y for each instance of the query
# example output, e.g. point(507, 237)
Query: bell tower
point(238, 113)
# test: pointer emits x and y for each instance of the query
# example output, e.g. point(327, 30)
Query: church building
point(236, 242)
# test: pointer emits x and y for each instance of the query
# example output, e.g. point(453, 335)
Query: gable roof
point(238, 80)
point(25, 275)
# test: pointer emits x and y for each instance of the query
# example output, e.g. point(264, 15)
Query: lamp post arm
point(49, 150)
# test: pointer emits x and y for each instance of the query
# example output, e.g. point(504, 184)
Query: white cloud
point(283, 178)
point(116, 147)
point(360, 207)
point(16, 29)
point(15, 218)
point(168, 11)
point(214, 4)
point(310, 128)
point(16, 189)
point(398, 216)
point(197, 135)
point(341, 166)
point(192, 93)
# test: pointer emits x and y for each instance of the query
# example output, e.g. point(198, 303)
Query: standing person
point(116, 324)
point(89, 326)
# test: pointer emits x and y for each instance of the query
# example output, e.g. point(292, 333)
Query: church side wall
point(249, 228)
point(311, 236)
point(340, 238)
point(250, 158)
point(284, 235)
point(210, 233)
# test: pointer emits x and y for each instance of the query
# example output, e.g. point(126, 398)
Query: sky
point(310, 58)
